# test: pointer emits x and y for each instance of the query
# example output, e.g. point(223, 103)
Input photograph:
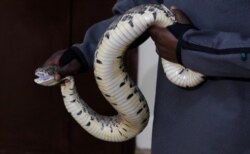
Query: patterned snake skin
point(113, 80)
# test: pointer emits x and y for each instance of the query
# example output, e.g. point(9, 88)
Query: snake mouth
point(41, 77)
point(45, 77)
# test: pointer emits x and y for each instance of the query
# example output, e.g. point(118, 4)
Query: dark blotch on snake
point(84, 110)
point(151, 9)
point(126, 125)
point(126, 77)
point(73, 101)
point(107, 95)
point(141, 98)
point(98, 61)
point(122, 84)
point(88, 124)
point(131, 85)
point(131, 23)
point(107, 35)
point(120, 132)
point(102, 126)
point(129, 96)
point(139, 111)
point(98, 78)
point(145, 120)
point(154, 14)
point(124, 129)
point(168, 14)
point(79, 113)
point(182, 70)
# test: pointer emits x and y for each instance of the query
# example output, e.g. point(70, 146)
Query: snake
point(113, 80)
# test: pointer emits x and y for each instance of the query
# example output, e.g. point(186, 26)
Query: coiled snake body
point(113, 80)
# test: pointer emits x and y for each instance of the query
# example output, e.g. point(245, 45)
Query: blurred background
point(33, 119)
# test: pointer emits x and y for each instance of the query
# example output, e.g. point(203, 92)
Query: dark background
point(33, 119)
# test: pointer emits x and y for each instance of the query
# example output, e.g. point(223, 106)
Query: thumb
point(72, 68)
point(180, 16)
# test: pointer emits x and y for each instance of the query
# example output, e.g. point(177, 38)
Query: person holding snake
point(210, 37)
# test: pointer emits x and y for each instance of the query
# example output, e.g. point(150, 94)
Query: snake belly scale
point(113, 80)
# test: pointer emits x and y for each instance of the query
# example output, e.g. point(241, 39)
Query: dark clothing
point(213, 118)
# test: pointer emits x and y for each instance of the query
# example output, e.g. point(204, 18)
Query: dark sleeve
point(216, 54)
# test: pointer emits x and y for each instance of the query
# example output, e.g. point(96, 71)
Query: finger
point(50, 62)
point(158, 52)
point(54, 58)
point(166, 54)
point(180, 16)
point(173, 7)
point(161, 35)
point(72, 68)
point(57, 76)
point(157, 32)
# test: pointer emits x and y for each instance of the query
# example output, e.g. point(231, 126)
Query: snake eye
point(50, 70)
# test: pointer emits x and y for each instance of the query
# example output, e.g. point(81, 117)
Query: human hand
point(71, 68)
point(165, 41)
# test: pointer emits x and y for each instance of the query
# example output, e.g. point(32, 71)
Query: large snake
point(113, 80)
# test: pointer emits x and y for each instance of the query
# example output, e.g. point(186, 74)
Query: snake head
point(46, 76)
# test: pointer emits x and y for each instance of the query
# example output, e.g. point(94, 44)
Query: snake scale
point(113, 80)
